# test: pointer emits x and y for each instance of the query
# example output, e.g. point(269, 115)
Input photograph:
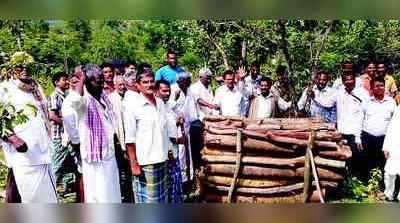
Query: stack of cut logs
point(271, 160)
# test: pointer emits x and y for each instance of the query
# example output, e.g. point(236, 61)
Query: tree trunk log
point(247, 182)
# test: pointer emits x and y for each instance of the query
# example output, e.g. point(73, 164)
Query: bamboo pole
point(238, 162)
point(307, 169)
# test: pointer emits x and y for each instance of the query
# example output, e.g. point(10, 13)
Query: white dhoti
point(36, 184)
point(101, 182)
point(185, 158)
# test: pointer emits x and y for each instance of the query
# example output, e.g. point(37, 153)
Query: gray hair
point(90, 70)
point(205, 72)
point(118, 78)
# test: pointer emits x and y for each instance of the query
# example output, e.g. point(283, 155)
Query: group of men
point(127, 135)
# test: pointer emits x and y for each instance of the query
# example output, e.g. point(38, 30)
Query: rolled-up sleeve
point(128, 114)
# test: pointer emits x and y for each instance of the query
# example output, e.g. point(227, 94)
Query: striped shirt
point(55, 102)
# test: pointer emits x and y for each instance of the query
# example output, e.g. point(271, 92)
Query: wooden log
point(248, 143)
point(342, 153)
point(289, 140)
point(291, 199)
point(262, 160)
point(238, 161)
point(218, 118)
point(288, 189)
point(267, 172)
point(247, 182)
point(307, 169)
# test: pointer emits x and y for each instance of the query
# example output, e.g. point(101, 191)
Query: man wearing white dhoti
point(391, 149)
point(27, 147)
point(96, 124)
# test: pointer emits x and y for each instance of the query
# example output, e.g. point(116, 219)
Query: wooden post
point(238, 162)
point(307, 168)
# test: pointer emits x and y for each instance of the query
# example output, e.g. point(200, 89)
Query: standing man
point(390, 83)
point(60, 153)
point(230, 100)
point(174, 171)
point(250, 84)
point(377, 114)
point(391, 150)
point(27, 146)
point(170, 71)
point(346, 67)
point(320, 90)
point(281, 88)
point(147, 141)
point(348, 103)
point(266, 104)
point(125, 174)
point(96, 124)
point(108, 73)
point(201, 95)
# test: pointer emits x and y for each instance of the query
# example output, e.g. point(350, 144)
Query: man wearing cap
point(201, 95)
point(27, 146)
point(170, 71)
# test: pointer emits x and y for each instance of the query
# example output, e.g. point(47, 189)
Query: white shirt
point(267, 105)
point(33, 132)
point(377, 115)
point(116, 101)
point(349, 110)
point(392, 144)
point(70, 120)
point(80, 105)
point(231, 102)
point(199, 91)
point(317, 110)
point(146, 126)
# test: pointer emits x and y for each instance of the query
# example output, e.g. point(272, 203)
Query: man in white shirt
point(27, 147)
point(391, 150)
point(147, 140)
point(377, 114)
point(320, 90)
point(249, 85)
point(201, 94)
point(346, 68)
point(230, 100)
point(96, 124)
point(266, 104)
point(348, 103)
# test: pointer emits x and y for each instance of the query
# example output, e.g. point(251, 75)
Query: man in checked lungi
point(147, 139)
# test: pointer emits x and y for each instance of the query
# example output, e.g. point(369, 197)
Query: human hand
point(18, 143)
point(135, 168)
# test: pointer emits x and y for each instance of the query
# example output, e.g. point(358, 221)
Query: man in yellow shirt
point(390, 82)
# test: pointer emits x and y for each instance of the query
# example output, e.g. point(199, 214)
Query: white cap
point(184, 75)
point(205, 72)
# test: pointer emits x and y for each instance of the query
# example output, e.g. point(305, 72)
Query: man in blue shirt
point(170, 71)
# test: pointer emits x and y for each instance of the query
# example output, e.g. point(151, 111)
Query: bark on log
point(248, 144)
point(292, 199)
point(342, 153)
point(255, 171)
point(284, 162)
point(289, 189)
point(247, 182)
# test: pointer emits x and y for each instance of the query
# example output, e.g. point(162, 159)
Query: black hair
point(281, 70)
point(107, 65)
point(228, 72)
point(57, 76)
point(162, 81)
point(170, 51)
point(377, 79)
point(130, 62)
point(266, 79)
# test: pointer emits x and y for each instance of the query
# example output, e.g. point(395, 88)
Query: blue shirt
point(168, 73)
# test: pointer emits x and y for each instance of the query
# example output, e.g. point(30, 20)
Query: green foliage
point(358, 191)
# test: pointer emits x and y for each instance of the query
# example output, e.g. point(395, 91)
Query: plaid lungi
point(152, 185)
point(175, 182)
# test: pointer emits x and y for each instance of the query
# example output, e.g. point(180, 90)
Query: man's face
point(253, 71)
point(96, 82)
point(205, 79)
point(381, 70)
point(283, 79)
point(349, 82)
point(371, 70)
point(63, 83)
point(171, 60)
point(25, 77)
point(378, 89)
point(265, 86)
point(322, 81)
point(183, 83)
point(18, 71)
point(73, 81)
point(108, 74)
point(164, 92)
point(229, 81)
point(146, 84)
point(120, 86)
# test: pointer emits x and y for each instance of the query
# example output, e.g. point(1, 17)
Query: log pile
point(270, 160)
